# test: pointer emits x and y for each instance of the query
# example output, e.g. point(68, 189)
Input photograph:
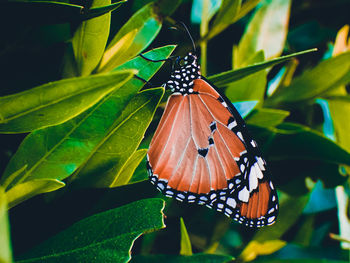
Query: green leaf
point(225, 78)
point(185, 244)
point(56, 102)
point(109, 157)
point(266, 31)
point(104, 237)
point(328, 74)
point(119, 53)
point(56, 152)
point(246, 7)
point(5, 182)
point(90, 39)
point(303, 143)
point(126, 172)
point(145, 24)
point(203, 258)
point(264, 117)
point(339, 109)
point(5, 240)
point(254, 249)
point(225, 16)
point(23, 191)
point(101, 10)
point(49, 12)
point(251, 87)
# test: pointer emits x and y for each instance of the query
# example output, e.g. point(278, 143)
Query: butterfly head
point(186, 70)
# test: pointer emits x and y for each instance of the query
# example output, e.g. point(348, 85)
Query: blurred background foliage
point(75, 124)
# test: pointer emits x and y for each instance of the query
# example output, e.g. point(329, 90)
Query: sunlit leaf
point(328, 74)
point(109, 157)
point(185, 244)
point(225, 16)
point(90, 39)
point(5, 241)
point(145, 24)
point(127, 171)
point(225, 78)
point(251, 87)
point(56, 102)
point(104, 237)
point(56, 152)
point(266, 31)
point(119, 53)
point(23, 191)
point(255, 248)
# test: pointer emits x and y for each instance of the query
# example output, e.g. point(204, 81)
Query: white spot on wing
point(231, 202)
point(232, 125)
point(243, 195)
point(253, 180)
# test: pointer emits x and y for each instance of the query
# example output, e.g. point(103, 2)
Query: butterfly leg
point(158, 60)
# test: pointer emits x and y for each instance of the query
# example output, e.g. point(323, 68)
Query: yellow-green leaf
point(23, 191)
point(266, 31)
point(90, 39)
point(5, 241)
point(56, 102)
point(119, 53)
point(127, 171)
point(185, 244)
point(255, 248)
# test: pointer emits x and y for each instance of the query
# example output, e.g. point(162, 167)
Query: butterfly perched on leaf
point(203, 153)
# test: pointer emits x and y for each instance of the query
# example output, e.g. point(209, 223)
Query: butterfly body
point(203, 153)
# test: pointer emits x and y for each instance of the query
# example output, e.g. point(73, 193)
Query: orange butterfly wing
point(199, 154)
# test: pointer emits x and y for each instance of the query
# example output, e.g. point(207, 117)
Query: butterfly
point(203, 153)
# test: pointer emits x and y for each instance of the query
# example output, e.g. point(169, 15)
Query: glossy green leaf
point(265, 117)
point(56, 152)
point(119, 53)
point(304, 143)
point(339, 110)
point(225, 16)
point(5, 240)
point(104, 237)
point(251, 87)
point(109, 157)
point(266, 31)
point(90, 39)
point(254, 249)
point(23, 191)
point(56, 102)
point(6, 181)
point(126, 172)
point(203, 258)
point(49, 12)
point(185, 243)
point(328, 74)
point(225, 78)
point(145, 24)
point(246, 7)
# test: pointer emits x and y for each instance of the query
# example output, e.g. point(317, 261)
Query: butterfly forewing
point(203, 153)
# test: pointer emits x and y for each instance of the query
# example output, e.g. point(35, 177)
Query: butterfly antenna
point(189, 34)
